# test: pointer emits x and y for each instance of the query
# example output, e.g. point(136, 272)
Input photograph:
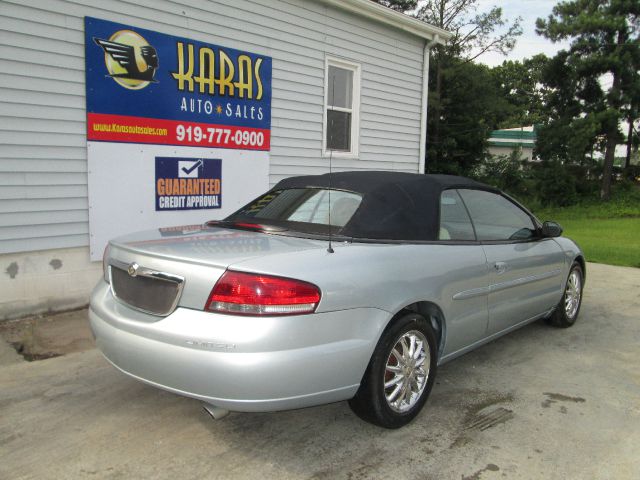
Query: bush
point(506, 172)
point(555, 185)
point(551, 183)
point(536, 184)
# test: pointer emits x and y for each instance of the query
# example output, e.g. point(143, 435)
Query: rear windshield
point(302, 209)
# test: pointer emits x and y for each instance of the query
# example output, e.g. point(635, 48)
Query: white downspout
point(425, 100)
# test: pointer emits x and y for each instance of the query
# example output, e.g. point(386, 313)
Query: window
point(341, 109)
point(315, 209)
point(455, 223)
point(496, 218)
point(304, 206)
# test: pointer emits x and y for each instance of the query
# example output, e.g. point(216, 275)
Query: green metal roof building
point(504, 142)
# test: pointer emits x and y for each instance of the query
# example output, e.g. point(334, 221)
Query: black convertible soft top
point(395, 205)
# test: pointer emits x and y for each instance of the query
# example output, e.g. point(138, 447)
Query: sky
point(529, 43)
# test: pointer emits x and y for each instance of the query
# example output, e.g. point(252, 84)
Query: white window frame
point(355, 108)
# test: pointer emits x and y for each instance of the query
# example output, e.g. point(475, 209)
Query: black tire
point(370, 402)
point(560, 317)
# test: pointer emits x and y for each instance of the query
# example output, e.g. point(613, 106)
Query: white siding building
point(374, 59)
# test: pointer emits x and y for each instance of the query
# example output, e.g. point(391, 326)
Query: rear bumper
point(240, 363)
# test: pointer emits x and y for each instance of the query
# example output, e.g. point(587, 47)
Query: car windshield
point(302, 209)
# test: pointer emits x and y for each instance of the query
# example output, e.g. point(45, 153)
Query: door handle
point(500, 267)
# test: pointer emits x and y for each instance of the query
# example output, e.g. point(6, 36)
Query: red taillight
point(254, 294)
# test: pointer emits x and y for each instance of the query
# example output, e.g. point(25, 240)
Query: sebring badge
point(133, 269)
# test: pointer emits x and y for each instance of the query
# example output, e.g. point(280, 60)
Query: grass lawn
point(615, 241)
point(607, 233)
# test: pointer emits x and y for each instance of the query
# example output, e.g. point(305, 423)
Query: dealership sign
point(148, 87)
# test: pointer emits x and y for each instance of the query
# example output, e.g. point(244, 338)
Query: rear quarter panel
point(391, 276)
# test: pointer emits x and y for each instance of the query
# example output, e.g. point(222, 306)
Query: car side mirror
point(551, 229)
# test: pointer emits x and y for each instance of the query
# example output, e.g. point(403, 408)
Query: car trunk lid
point(157, 270)
point(211, 245)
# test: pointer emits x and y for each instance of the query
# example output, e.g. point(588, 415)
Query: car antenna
point(330, 248)
point(333, 89)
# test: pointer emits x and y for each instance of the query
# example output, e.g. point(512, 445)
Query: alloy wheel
point(572, 294)
point(406, 371)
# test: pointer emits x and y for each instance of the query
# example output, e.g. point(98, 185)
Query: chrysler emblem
point(133, 269)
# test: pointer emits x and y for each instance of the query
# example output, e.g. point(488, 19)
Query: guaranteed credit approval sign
point(148, 87)
point(188, 183)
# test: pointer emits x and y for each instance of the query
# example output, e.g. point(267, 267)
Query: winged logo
point(132, 64)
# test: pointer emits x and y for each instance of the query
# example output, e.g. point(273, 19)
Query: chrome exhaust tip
point(216, 412)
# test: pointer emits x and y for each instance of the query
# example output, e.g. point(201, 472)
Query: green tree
point(464, 101)
point(399, 5)
point(604, 42)
point(470, 106)
point(633, 114)
point(474, 33)
point(520, 83)
point(574, 105)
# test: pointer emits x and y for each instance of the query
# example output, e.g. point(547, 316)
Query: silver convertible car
point(350, 286)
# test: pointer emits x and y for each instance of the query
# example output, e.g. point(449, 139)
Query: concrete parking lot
point(538, 403)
